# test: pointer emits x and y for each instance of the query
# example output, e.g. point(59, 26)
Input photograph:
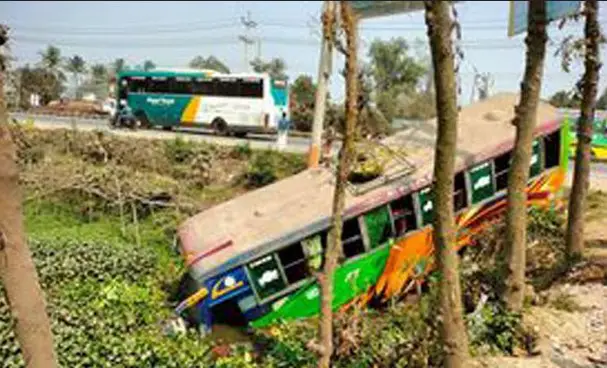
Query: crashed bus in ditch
point(252, 259)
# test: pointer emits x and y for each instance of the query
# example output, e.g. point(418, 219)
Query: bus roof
point(187, 72)
point(250, 225)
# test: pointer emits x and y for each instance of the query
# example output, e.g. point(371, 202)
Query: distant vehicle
point(109, 106)
point(227, 103)
point(598, 148)
point(252, 260)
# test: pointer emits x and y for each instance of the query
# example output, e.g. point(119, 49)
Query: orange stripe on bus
point(189, 114)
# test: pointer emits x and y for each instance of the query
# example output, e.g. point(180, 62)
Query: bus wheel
point(220, 126)
point(143, 120)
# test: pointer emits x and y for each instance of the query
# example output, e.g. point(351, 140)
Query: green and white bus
point(227, 103)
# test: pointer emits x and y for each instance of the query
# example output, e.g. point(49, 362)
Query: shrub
point(266, 167)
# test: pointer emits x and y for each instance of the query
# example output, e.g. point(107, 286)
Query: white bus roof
point(210, 71)
point(245, 227)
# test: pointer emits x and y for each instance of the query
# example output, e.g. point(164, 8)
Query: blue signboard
point(519, 11)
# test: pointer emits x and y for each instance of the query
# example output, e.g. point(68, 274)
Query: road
point(256, 141)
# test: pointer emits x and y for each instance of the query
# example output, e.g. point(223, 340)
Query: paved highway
point(256, 141)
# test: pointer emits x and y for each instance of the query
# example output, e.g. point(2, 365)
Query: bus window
point(293, 262)
point(460, 199)
point(552, 149)
point(403, 213)
point(426, 205)
point(266, 276)
point(252, 88)
point(351, 238)
point(226, 88)
point(202, 86)
point(313, 248)
point(502, 165)
point(137, 85)
point(379, 228)
point(160, 85)
point(481, 182)
point(181, 86)
point(536, 159)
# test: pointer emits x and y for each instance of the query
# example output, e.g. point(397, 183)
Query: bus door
point(231, 297)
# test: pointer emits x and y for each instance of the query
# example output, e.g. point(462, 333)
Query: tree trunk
point(19, 277)
point(579, 189)
point(524, 121)
point(453, 332)
point(346, 155)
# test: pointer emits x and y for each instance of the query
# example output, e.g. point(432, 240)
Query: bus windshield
point(279, 92)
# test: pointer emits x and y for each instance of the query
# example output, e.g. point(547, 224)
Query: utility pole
point(247, 39)
point(324, 74)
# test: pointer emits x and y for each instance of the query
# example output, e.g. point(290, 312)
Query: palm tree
point(51, 61)
point(77, 66)
point(119, 65)
point(275, 67)
point(453, 332)
point(99, 72)
point(148, 65)
point(211, 62)
point(579, 189)
point(17, 270)
point(524, 121)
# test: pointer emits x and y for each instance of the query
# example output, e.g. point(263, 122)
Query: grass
point(565, 302)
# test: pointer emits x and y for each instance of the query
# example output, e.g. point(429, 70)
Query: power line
point(61, 28)
point(193, 42)
point(231, 22)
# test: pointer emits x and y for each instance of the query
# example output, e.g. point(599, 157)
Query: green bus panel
point(379, 228)
point(165, 110)
point(350, 280)
point(426, 205)
point(482, 182)
point(535, 166)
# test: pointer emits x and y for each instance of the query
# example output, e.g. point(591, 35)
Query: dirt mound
point(67, 107)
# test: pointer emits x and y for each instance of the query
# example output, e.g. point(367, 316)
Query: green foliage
point(565, 302)
point(394, 75)
point(266, 167)
point(400, 336)
point(149, 65)
point(276, 67)
point(180, 150)
point(106, 300)
point(210, 62)
point(303, 94)
point(39, 81)
point(242, 151)
point(494, 330)
point(75, 64)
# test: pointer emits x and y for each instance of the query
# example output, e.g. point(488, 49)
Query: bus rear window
point(251, 89)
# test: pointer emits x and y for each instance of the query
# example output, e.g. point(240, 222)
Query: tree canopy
point(276, 67)
point(211, 62)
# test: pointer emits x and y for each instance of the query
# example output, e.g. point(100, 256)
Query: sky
point(171, 33)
